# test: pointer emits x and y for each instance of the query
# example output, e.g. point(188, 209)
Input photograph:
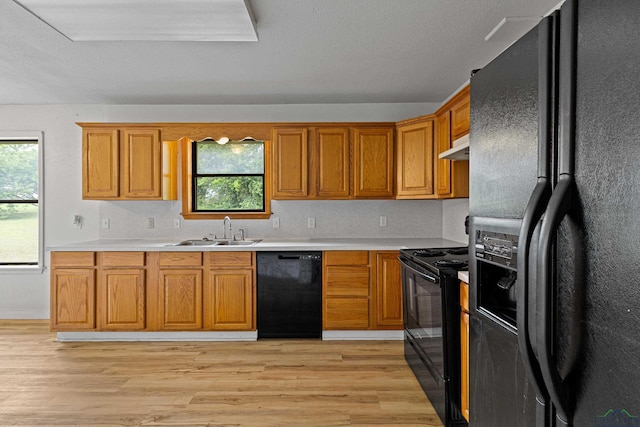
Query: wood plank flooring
point(265, 383)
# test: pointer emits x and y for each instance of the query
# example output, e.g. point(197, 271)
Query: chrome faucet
point(224, 228)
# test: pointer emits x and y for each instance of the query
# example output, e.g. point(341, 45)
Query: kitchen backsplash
point(333, 218)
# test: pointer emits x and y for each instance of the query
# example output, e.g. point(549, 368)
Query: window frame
point(38, 137)
point(188, 158)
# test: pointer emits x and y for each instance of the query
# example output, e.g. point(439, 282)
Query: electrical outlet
point(311, 223)
point(275, 222)
point(150, 223)
point(383, 221)
point(77, 221)
point(176, 223)
point(106, 223)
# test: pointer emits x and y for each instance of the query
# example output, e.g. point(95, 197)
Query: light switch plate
point(176, 223)
point(383, 221)
point(275, 222)
point(106, 223)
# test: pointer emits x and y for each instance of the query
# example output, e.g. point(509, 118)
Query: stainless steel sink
point(195, 242)
point(246, 242)
point(217, 242)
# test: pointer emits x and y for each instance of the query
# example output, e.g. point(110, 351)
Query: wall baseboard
point(24, 314)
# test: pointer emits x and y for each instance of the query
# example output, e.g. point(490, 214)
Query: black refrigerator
point(555, 224)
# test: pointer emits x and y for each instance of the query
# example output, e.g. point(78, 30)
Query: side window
point(226, 178)
point(20, 199)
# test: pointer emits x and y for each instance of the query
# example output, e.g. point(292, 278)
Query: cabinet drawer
point(347, 281)
point(180, 259)
point(464, 296)
point(347, 313)
point(230, 259)
point(346, 258)
point(121, 259)
point(75, 259)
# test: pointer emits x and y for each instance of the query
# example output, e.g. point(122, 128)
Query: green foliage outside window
point(19, 202)
point(229, 177)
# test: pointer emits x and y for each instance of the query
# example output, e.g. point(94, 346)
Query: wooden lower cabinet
point(388, 291)
point(346, 290)
point(121, 299)
point(121, 291)
point(180, 296)
point(73, 288)
point(229, 291)
point(361, 290)
point(464, 349)
point(187, 291)
point(229, 296)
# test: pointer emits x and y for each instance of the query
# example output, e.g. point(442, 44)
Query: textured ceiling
point(308, 51)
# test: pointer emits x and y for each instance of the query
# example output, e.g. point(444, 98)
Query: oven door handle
point(422, 274)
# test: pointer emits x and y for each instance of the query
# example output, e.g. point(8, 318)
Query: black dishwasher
point(289, 294)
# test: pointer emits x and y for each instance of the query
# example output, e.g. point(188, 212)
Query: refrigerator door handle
point(535, 208)
point(533, 213)
point(559, 206)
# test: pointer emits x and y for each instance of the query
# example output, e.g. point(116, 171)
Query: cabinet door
point(290, 164)
point(389, 291)
point(443, 143)
point(121, 299)
point(464, 364)
point(180, 295)
point(141, 164)
point(229, 300)
point(373, 163)
point(72, 299)
point(331, 161)
point(415, 161)
point(461, 116)
point(100, 164)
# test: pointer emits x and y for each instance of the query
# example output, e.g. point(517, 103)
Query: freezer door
point(503, 145)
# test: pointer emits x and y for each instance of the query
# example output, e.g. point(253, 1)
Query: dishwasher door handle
point(288, 256)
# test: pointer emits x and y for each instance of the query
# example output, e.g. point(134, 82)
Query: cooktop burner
point(426, 253)
point(452, 263)
point(459, 251)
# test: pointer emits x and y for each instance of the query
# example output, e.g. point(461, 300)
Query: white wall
point(27, 295)
point(454, 212)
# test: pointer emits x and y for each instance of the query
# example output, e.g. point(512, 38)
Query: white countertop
point(268, 244)
point(464, 276)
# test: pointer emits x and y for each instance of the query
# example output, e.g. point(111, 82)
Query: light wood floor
point(265, 383)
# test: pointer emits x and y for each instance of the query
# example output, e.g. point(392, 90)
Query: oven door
point(423, 314)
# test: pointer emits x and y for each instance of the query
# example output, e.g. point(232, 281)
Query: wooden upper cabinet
point(290, 163)
point(415, 159)
point(452, 122)
point(443, 143)
point(100, 163)
point(141, 164)
point(124, 163)
point(330, 162)
point(460, 114)
point(373, 165)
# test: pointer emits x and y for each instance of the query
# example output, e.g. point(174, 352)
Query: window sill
point(232, 215)
point(17, 269)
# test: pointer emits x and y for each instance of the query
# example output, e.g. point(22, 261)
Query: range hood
point(460, 150)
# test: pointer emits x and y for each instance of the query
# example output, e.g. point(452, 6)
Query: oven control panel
point(500, 248)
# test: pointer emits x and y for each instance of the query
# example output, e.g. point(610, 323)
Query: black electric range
point(439, 260)
point(431, 296)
